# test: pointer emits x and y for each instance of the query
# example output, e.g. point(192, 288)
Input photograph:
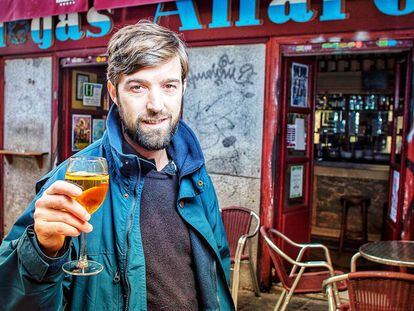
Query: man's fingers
point(64, 187)
point(64, 203)
point(58, 228)
point(64, 217)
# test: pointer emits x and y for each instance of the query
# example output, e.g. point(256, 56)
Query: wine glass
point(90, 174)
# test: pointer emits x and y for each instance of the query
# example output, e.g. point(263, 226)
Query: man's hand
point(57, 215)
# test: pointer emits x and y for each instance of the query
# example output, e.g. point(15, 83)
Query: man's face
point(149, 102)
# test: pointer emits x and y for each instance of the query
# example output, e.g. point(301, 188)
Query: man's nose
point(155, 101)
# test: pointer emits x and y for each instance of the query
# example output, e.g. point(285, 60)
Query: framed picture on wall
point(98, 128)
point(299, 86)
point(80, 80)
point(81, 131)
point(296, 182)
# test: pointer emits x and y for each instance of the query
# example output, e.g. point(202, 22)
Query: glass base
point(85, 268)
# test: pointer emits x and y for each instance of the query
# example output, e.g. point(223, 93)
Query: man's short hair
point(142, 45)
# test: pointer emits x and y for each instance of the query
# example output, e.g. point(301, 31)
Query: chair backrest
point(379, 290)
point(273, 244)
point(237, 221)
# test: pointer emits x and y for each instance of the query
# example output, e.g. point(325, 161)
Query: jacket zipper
point(131, 220)
point(128, 289)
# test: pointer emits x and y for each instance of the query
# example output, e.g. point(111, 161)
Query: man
point(159, 232)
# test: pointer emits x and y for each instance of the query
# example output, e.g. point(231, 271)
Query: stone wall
point(329, 189)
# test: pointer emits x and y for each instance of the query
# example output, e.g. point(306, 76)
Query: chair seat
point(354, 199)
point(344, 306)
point(312, 281)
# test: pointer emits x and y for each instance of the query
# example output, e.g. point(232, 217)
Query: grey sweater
point(169, 269)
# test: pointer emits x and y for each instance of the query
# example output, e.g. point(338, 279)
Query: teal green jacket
point(29, 280)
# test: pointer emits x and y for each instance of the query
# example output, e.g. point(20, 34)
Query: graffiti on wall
point(224, 105)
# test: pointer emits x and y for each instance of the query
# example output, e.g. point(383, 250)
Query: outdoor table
point(394, 253)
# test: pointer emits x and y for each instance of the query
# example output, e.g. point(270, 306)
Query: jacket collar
point(184, 149)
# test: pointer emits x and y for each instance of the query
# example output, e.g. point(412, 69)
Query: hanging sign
point(68, 26)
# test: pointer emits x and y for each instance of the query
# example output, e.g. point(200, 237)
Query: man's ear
point(112, 92)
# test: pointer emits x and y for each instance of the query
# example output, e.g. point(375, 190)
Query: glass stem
point(83, 260)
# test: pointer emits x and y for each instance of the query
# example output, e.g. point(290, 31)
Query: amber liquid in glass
point(94, 186)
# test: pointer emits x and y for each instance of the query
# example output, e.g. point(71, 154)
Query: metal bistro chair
point(237, 223)
point(298, 281)
point(374, 290)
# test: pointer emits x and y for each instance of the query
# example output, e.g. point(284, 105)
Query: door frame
point(287, 210)
point(273, 121)
point(1, 147)
point(395, 228)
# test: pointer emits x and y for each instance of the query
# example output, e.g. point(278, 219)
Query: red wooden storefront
point(364, 29)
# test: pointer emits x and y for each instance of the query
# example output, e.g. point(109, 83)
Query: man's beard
point(150, 139)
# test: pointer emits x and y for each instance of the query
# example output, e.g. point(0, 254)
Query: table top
point(396, 253)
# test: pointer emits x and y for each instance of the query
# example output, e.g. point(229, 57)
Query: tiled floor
point(249, 302)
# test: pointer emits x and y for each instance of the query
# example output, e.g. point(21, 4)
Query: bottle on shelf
point(355, 65)
point(352, 102)
point(332, 66)
point(322, 65)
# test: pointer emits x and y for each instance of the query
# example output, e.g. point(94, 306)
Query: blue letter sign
point(220, 14)
point(332, 11)
point(186, 11)
point(298, 11)
point(247, 15)
point(42, 34)
point(100, 21)
point(391, 7)
point(68, 27)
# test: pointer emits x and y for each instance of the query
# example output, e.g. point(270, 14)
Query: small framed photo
point(80, 80)
point(299, 85)
point(81, 131)
point(98, 128)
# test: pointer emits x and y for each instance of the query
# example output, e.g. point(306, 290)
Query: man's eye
point(170, 86)
point(137, 88)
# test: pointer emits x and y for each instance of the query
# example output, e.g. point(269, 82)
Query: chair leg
point(332, 303)
point(287, 300)
point(292, 289)
point(253, 272)
point(236, 271)
point(280, 300)
point(235, 282)
point(344, 220)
